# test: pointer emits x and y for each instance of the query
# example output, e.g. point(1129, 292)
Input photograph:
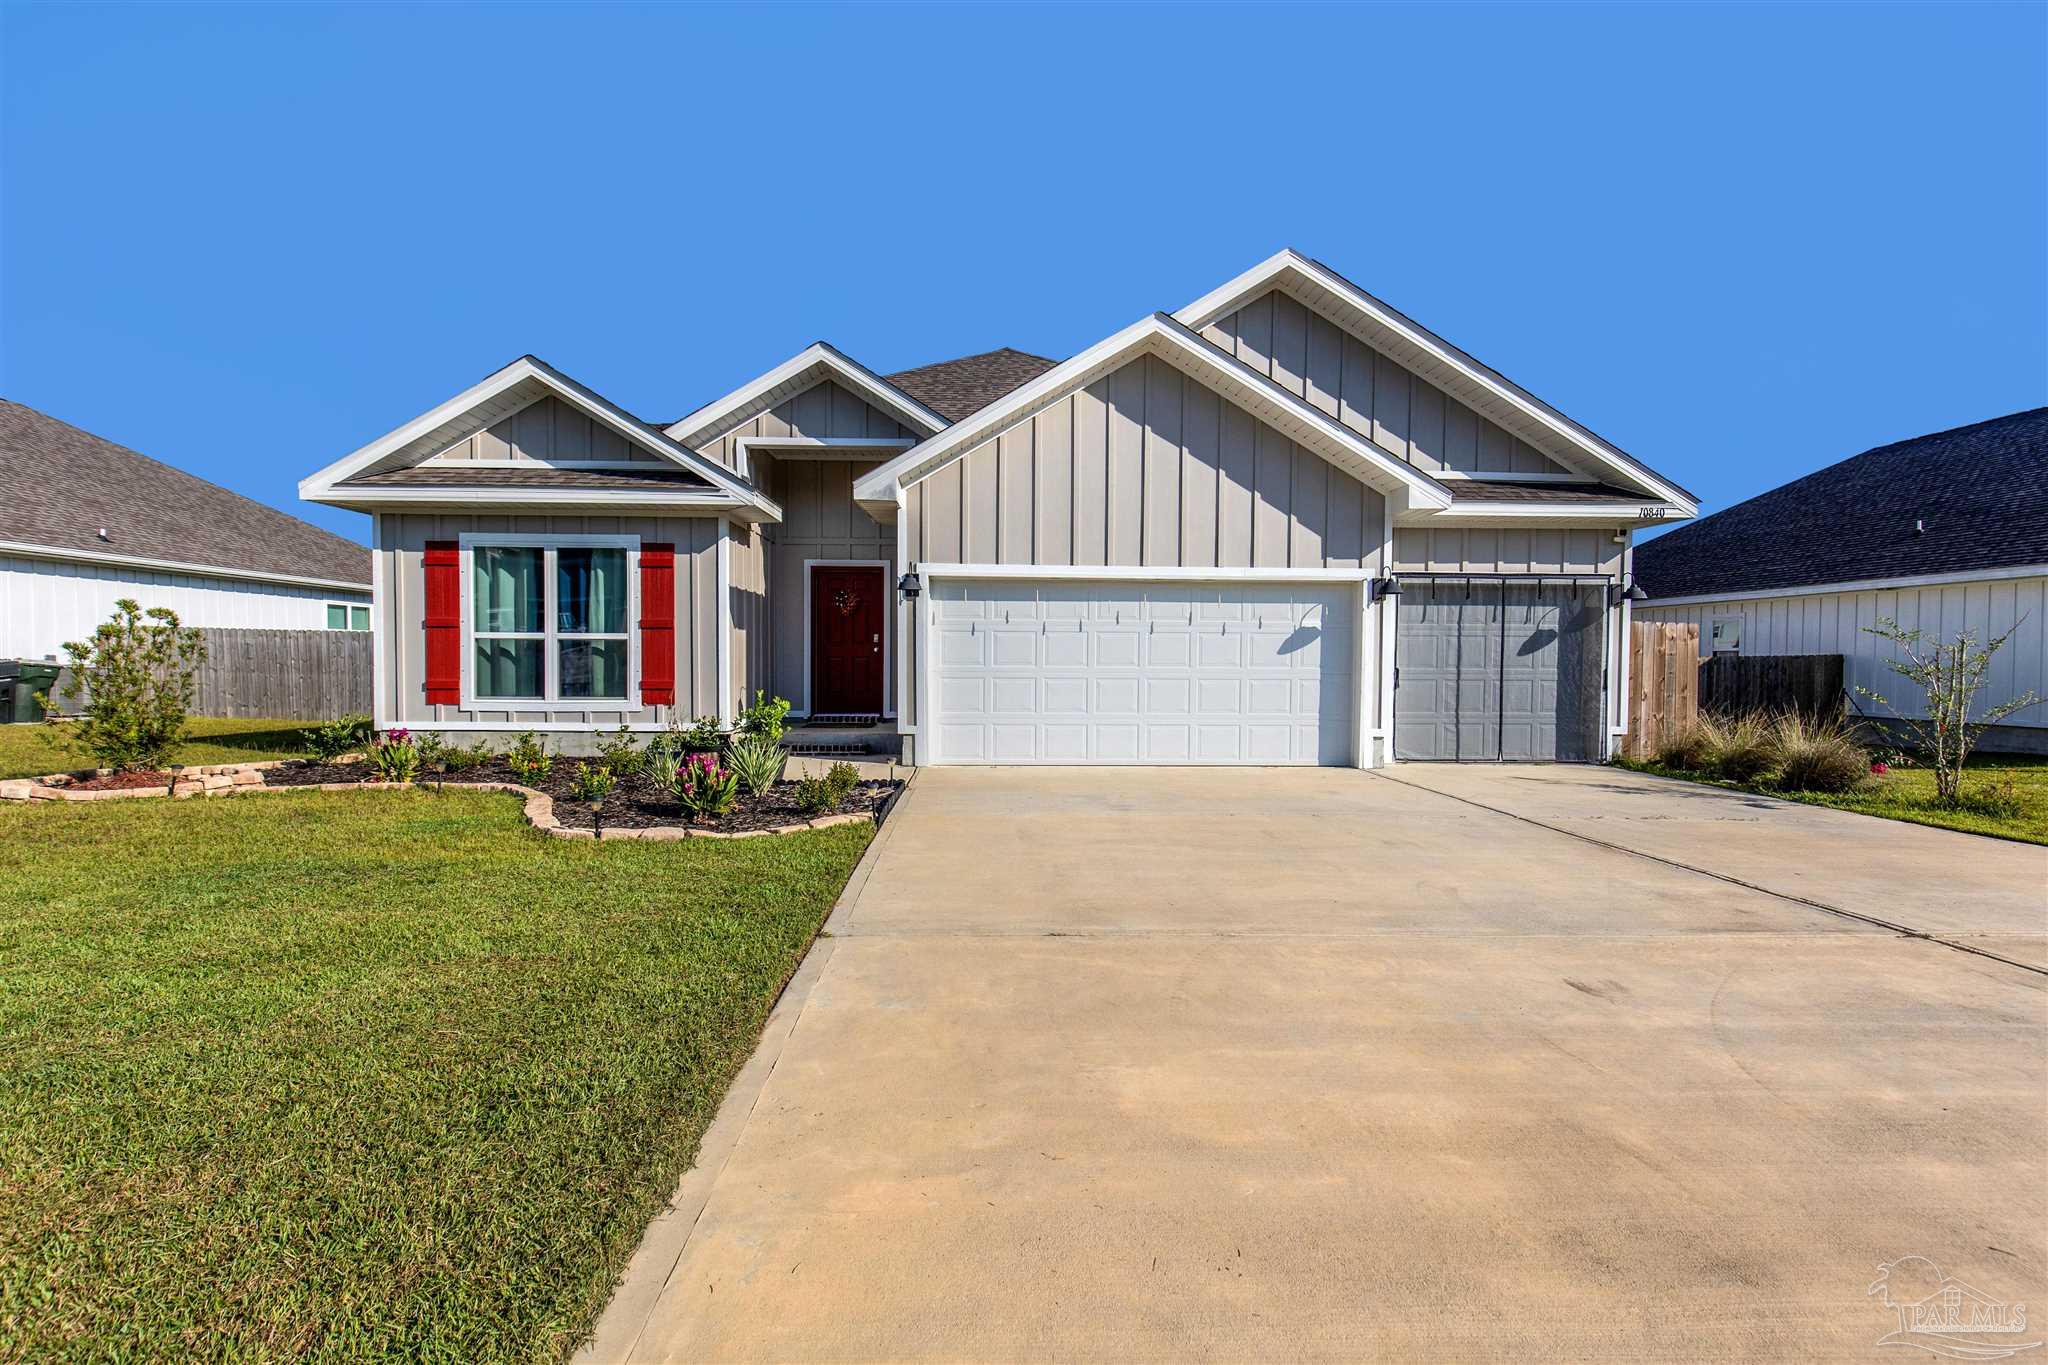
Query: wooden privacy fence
point(286, 674)
point(1663, 683)
point(1733, 685)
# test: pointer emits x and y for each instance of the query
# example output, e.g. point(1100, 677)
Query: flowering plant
point(705, 786)
point(395, 756)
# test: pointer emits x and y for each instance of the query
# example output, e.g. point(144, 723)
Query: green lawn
point(25, 752)
point(361, 1076)
point(2004, 795)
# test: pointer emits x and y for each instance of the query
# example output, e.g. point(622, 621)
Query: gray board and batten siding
point(401, 540)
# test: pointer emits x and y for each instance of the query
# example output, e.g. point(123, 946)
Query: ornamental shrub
point(132, 684)
point(764, 719)
point(395, 757)
point(529, 759)
point(594, 782)
point(344, 735)
point(706, 787)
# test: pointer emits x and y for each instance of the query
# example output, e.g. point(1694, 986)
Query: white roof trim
point(813, 448)
point(704, 499)
point(527, 370)
point(1902, 583)
point(1289, 266)
point(787, 380)
point(64, 554)
point(1644, 514)
point(1174, 343)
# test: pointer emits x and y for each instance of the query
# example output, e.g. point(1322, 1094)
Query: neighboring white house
point(85, 522)
point(1942, 533)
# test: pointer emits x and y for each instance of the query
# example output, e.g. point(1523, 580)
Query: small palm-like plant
point(758, 760)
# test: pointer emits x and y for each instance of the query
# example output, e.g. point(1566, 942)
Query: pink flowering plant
point(395, 756)
point(706, 787)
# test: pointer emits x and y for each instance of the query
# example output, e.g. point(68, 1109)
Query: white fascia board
point(1142, 573)
point(1186, 351)
point(709, 500)
point(321, 487)
point(1928, 580)
point(1286, 263)
point(64, 555)
point(709, 420)
point(813, 448)
point(1604, 513)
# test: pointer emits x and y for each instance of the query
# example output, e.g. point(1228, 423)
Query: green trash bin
point(18, 691)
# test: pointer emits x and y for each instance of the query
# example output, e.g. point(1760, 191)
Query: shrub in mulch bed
point(637, 802)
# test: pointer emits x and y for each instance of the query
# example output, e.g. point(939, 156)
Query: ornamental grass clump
point(1810, 755)
point(395, 757)
point(706, 788)
point(1737, 749)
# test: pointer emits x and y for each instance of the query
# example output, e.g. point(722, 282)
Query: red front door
point(846, 640)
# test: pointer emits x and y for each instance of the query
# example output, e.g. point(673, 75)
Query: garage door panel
point(1493, 671)
point(1145, 673)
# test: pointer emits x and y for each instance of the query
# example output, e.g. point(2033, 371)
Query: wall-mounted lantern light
point(909, 586)
point(1390, 586)
point(1626, 592)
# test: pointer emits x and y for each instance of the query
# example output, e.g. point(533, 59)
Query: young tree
point(135, 677)
point(1950, 674)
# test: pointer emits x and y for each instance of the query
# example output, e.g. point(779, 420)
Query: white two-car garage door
point(1091, 671)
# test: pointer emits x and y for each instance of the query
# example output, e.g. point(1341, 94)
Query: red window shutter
point(443, 564)
point(658, 624)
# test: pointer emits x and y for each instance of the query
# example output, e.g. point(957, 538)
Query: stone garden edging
point(230, 779)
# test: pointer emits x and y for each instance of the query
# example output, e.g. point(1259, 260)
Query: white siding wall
point(1834, 623)
point(44, 603)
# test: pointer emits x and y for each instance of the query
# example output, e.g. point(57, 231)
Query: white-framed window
point(347, 616)
point(550, 620)
point(1725, 635)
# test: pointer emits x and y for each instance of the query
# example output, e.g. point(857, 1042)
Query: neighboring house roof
point(958, 388)
point(1978, 496)
point(60, 486)
point(540, 476)
point(498, 395)
point(1506, 490)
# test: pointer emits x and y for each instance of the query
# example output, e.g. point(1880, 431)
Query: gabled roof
point(808, 367)
point(522, 382)
point(1424, 353)
point(1972, 498)
point(961, 387)
point(60, 486)
point(1159, 334)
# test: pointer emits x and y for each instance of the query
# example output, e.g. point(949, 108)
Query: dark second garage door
point(1499, 671)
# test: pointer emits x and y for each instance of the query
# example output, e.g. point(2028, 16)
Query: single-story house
point(1285, 524)
point(85, 522)
point(1942, 533)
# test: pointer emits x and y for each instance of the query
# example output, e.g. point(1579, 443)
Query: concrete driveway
point(1467, 1063)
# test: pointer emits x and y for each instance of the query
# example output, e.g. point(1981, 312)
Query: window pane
point(337, 618)
point(590, 591)
point(508, 595)
point(593, 668)
point(508, 668)
point(359, 618)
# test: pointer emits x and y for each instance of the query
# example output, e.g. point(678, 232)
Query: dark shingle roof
point(955, 388)
point(1507, 490)
point(59, 486)
point(1981, 491)
point(666, 477)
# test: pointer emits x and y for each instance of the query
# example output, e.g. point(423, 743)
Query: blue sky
point(1740, 241)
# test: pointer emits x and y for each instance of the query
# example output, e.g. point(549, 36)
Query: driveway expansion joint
point(1903, 931)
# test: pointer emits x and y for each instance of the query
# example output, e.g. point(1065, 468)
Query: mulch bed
point(635, 803)
point(115, 782)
